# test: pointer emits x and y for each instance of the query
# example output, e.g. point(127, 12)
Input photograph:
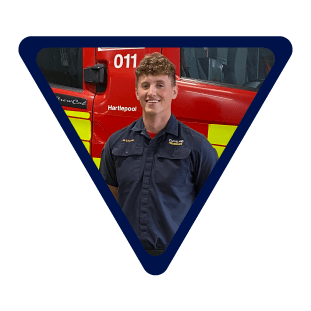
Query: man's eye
point(160, 85)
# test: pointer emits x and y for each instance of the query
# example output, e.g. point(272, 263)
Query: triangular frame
point(282, 50)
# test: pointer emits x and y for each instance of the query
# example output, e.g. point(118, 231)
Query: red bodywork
point(198, 103)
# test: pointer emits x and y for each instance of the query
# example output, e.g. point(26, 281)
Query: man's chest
point(163, 161)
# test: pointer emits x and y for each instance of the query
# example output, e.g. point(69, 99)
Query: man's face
point(155, 94)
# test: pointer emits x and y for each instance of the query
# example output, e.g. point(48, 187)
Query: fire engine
point(96, 88)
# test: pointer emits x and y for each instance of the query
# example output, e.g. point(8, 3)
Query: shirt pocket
point(172, 166)
point(128, 159)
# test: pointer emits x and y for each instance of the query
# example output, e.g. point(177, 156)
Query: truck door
point(63, 69)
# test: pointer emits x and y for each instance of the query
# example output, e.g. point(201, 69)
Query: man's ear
point(175, 91)
point(136, 93)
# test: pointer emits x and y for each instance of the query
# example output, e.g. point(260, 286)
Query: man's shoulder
point(190, 133)
point(196, 141)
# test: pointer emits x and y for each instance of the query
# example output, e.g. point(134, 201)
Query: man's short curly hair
point(156, 64)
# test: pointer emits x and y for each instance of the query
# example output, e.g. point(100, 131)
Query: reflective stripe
point(219, 134)
point(83, 128)
point(97, 162)
point(78, 114)
point(87, 145)
point(219, 150)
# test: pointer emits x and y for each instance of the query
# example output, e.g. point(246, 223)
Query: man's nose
point(152, 90)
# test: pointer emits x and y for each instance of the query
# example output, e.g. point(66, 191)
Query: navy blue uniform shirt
point(158, 179)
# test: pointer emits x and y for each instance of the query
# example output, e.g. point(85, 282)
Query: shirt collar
point(171, 126)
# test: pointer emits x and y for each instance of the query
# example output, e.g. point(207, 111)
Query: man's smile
point(153, 101)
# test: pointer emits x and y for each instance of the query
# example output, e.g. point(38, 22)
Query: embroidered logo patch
point(175, 142)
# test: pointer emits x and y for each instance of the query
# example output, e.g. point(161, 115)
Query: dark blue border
point(282, 50)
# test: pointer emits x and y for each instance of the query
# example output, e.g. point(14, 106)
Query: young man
point(156, 166)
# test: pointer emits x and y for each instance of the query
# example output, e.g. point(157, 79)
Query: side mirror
point(96, 74)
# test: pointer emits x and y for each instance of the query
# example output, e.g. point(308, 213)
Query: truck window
point(62, 66)
point(240, 67)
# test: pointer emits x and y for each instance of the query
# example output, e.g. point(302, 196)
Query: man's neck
point(155, 123)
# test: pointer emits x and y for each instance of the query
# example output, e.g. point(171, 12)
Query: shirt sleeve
point(206, 159)
point(107, 165)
